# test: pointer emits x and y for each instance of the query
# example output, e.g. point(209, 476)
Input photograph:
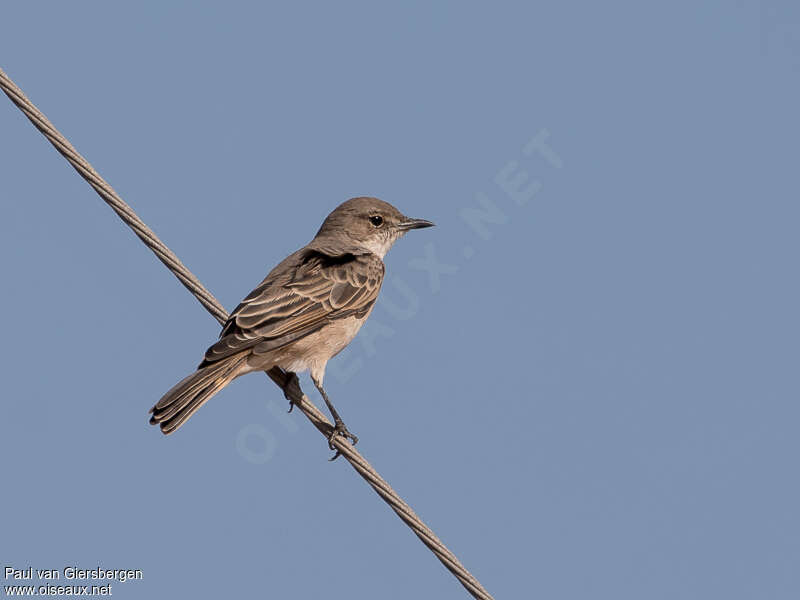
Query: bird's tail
point(193, 391)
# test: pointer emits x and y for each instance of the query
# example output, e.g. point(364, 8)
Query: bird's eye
point(376, 220)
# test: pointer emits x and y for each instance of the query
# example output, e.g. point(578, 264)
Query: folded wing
point(320, 289)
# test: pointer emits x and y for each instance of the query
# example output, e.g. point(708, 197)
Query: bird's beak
point(413, 224)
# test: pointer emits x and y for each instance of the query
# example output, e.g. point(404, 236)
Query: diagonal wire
point(293, 392)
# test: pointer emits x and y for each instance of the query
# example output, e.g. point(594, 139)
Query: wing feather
point(320, 288)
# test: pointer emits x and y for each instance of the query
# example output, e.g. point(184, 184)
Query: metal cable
point(187, 278)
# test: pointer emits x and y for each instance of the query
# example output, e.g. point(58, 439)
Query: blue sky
point(584, 378)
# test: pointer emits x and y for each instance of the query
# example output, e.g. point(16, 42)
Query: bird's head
point(369, 223)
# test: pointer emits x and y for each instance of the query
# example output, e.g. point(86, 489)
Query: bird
point(304, 312)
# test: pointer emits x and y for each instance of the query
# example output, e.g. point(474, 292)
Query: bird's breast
point(339, 333)
point(316, 349)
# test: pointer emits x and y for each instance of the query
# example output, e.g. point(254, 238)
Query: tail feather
point(189, 394)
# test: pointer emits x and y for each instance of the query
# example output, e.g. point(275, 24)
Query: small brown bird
point(305, 312)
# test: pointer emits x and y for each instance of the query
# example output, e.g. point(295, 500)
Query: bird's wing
point(321, 289)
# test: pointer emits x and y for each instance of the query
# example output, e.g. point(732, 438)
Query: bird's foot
point(292, 390)
point(340, 429)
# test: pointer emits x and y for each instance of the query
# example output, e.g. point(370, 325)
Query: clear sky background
point(593, 395)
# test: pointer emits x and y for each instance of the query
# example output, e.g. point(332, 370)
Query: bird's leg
point(291, 389)
point(339, 427)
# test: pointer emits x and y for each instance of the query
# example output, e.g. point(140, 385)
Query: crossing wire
point(281, 378)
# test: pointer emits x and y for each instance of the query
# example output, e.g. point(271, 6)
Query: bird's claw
point(292, 390)
point(340, 429)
